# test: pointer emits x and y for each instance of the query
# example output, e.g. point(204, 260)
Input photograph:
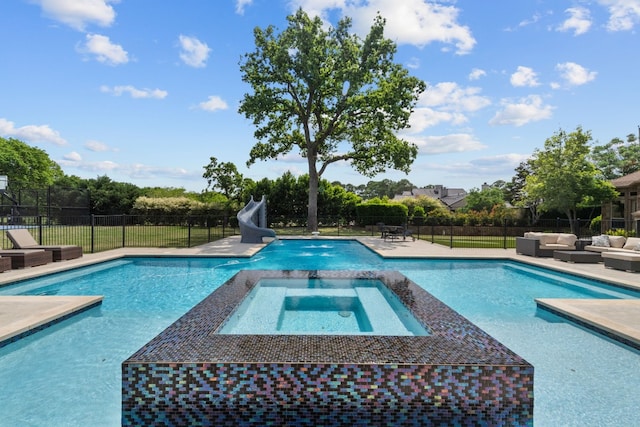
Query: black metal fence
point(96, 233)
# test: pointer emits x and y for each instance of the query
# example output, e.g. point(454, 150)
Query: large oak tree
point(330, 94)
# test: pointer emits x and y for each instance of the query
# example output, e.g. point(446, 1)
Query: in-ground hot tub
point(322, 306)
point(455, 373)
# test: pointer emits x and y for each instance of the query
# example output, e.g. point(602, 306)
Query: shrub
point(596, 225)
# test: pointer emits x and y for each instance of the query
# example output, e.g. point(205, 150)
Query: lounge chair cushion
point(21, 238)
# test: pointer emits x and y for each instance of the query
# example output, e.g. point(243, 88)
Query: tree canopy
point(27, 166)
point(485, 199)
point(617, 158)
point(331, 94)
point(563, 178)
point(225, 177)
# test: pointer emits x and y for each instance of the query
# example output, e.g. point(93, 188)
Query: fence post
point(93, 223)
point(188, 232)
point(208, 230)
point(40, 228)
point(504, 234)
point(451, 235)
point(123, 230)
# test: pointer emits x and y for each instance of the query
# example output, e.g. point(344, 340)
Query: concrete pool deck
point(605, 314)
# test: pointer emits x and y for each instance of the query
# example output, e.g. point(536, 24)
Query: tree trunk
point(573, 222)
point(312, 206)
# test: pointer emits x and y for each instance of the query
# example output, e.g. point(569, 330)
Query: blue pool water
point(69, 374)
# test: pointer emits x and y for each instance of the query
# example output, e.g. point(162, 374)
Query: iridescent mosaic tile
point(456, 375)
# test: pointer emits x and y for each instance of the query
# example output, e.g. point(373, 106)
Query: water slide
point(253, 220)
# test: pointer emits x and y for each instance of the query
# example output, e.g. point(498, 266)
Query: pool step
point(259, 321)
point(383, 319)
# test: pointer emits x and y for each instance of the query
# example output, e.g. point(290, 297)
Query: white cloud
point(451, 97)
point(476, 74)
point(214, 103)
point(241, 4)
point(500, 162)
point(529, 109)
point(97, 167)
point(73, 157)
point(624, 14)
point(524, 76)
point(453, 143)
point(579, 21)
point(31, 133)
point(414, 22)
point(79, 13)
point(484, 167)
point(104, 51)
point(445, 102)
point(414, 63)
point(132, 171)
point(194, 53)
point(97, 146)
point(134, 92)
point(574, 74)
point(423, 118)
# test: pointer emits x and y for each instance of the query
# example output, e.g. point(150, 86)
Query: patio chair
point(22, 239)
point(22, 258)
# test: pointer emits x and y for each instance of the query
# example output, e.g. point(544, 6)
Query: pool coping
point(615, 319)
point(19, 318)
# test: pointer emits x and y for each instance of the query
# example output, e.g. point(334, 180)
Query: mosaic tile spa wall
point(457, 375)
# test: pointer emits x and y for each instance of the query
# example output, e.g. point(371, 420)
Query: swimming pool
point(69, 374)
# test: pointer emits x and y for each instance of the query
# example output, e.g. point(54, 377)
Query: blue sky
point(145, 91)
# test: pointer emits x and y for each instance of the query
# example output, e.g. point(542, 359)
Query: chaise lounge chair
point(5, 264)
point(22, 239)
point(22, 258)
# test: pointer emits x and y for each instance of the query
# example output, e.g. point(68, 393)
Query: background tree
point(486, 199)
point(225, 177)
point(563, 177)
point(617, 158)
point(111, 197)
point(515, 191)
point(332, 95)
point(27, 166)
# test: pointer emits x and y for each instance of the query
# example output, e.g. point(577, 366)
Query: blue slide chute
point(253, 220)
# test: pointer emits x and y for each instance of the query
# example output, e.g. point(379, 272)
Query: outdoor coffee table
point(585, 257)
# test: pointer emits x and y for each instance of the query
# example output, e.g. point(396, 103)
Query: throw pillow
point(602, 241)
point(631, 243)
point(617, 241)
point(637, 248)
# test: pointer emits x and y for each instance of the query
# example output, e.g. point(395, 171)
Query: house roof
point(627, 180)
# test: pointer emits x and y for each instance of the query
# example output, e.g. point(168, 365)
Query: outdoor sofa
point(543, 244)
point(605, 243)
point(619, 252)
point(22, 239)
